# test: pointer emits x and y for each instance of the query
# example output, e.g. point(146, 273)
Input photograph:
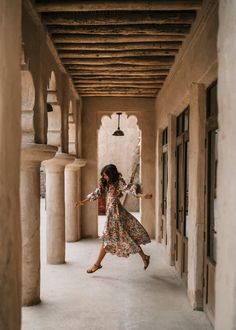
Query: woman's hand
point(79, 203)
point(147, 196)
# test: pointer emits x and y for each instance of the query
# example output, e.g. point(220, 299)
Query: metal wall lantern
point(49, 107)
point(118, 132)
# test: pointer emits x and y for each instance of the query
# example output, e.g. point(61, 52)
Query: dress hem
point(122, 255)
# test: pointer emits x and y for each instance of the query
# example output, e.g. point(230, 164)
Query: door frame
point(181, 241)
point(164, 185)
point(209, 262)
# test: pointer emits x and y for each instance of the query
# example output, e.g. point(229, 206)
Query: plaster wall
point(94, 109)
point(10, 136)
point(226, 210)
point(195, 65)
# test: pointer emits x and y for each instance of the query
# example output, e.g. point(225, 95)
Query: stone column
point(147, 125)
point(196, 194)
point(171, 193)
point(10, 138)
point(55, 207)
point(72, 193)
point(225, 315)
point(31, 157)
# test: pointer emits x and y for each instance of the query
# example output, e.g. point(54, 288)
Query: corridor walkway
point(119, 296)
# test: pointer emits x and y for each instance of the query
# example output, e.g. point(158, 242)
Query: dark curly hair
point(113, 175)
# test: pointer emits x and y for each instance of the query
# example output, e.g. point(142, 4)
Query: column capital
point(32, 154)
point(58, 163)
point(76, 165)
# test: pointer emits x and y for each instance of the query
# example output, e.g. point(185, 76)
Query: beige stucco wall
point(196, 65)
point(10, 135)
point(93, 110)
point(226, 211)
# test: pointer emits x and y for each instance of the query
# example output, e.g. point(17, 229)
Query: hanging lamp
point(118, 132)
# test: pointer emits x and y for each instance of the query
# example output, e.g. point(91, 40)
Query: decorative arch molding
point(71, 113)
point(52, 90)
point(71, 130)
point(53, 113)
point(101, 115)
point(27, 101)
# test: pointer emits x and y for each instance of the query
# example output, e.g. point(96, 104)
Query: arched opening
point(72, 130)
point(53, 138)
point(27, 102)
point(124, 152)
point(54, 114)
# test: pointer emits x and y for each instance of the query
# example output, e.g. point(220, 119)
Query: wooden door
point(182, 187)
point(164, 182)
point(211, 201)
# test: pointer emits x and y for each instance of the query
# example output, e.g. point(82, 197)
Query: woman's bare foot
point(94, 268)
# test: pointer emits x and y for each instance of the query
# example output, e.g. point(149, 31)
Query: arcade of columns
point(46, 143)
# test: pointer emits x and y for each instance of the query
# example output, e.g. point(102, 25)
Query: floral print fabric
point(123, 233)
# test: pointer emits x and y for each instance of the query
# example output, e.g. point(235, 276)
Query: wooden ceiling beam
point(81, 38)
point(113, 5)
point(154, 29)
point(83, 87)
point(124, 80)
point(112, 68)
point(97, 54)
point(119, 47)
point(144, 95)
point(119, 89)
point(118, 85)
point(118, 74)
point(118, 81)
point(119, 18)
point(161, 60)
point(119, 92)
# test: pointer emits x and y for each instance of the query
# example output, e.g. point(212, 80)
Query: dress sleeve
point(131, 189)
point(94, 195)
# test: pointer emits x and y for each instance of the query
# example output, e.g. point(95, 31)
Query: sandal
point(146, 262)
point(91, 270)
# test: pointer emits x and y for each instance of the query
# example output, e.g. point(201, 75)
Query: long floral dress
point(123, 233)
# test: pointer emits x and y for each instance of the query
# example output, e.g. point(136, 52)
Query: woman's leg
point(145, 257)
point(100, 257)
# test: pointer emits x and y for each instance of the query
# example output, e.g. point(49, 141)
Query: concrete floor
point(120, 296)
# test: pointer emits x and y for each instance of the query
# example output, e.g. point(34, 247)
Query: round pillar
point(72, 193)
point(31, 157)
point(55, 207)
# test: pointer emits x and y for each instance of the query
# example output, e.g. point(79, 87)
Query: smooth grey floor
point(119, 296)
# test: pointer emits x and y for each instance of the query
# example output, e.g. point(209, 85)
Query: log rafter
point(116, 67)
point(119, 18)
point(119, 47)
point(97, 54)
point(129, 60)
point(113, 5)
point(81, 38)
point(118, 81)
point(151, 29)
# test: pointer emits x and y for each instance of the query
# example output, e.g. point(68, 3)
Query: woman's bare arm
point(146, 196)
point(80, 203)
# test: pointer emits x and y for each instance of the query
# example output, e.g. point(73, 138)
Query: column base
point(31, 302)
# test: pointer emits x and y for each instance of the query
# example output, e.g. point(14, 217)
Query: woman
point(123, 234)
